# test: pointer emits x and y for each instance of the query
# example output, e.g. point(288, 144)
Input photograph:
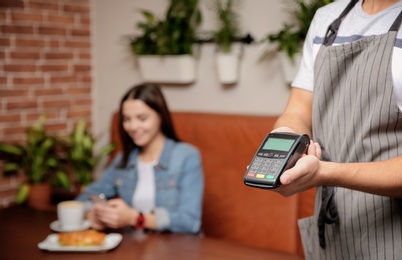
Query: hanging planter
point(164, 46)
point(171, 69)
point(228, 67)
point(226, 34)
point(290, 39)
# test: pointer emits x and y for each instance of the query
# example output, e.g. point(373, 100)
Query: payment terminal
point(278, 152)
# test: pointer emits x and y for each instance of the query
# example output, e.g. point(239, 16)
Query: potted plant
point(82, 158)
point(227, 59)
point(37, 160)
point(288, 42)
point(164, 49)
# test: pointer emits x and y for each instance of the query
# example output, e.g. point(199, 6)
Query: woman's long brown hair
point(151, 95)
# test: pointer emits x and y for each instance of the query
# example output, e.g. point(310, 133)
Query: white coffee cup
point(70, 215)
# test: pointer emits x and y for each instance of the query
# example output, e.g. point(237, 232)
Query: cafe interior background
point(69, 59)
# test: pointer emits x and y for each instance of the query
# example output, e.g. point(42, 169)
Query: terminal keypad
point(266, 166)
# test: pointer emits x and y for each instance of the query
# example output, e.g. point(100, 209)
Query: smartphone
point(278, 152)
point(98, 198)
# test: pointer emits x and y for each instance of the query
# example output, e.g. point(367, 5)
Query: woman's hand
point(304, 175)
point(115, 214)
point(95, 222)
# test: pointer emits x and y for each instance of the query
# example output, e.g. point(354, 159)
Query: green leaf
point(79, 131)
point(9, 167)
point(149, 16)
point(174, 34)
point(62, 178)
point(228, 24)
point(291, 37)
point(22, 193)
point(52, 162)
point(36, 158)
point(107, 150)
point(11, 149)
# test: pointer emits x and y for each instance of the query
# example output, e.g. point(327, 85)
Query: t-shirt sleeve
point(305, 77)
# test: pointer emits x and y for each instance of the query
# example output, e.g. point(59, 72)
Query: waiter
point(348, 97)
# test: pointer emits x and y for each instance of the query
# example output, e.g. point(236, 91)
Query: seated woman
point(157, 181)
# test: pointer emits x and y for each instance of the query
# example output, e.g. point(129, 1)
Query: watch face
point(140, 222)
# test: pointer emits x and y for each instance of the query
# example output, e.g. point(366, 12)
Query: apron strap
point(397, 23)
point(333, 28)
point(328, 213)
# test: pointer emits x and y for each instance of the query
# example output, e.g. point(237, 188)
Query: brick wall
point(45, 68)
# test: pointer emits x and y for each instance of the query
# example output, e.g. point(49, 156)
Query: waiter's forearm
point(381, 178)
point(292, 121)
point(298, 113)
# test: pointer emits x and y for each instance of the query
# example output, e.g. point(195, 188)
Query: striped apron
point(356, 119)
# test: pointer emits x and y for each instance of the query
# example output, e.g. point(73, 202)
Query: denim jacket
point(179, 183)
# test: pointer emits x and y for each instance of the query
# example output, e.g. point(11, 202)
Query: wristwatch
point(140, 222)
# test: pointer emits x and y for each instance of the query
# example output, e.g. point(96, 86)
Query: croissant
point(88, 237)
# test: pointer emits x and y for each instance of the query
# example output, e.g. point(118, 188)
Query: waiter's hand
point(304, 175)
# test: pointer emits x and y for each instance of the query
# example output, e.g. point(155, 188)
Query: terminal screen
point(278, 144)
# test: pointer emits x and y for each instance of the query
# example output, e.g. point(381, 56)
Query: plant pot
point(171, 69)
point(228, 67)
point(39, 196)
point(289, 67)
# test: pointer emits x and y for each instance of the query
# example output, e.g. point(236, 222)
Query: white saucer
point(55, 226)
point(51, 243)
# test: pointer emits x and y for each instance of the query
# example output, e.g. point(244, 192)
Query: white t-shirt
point(144, 195)
point(355, 25)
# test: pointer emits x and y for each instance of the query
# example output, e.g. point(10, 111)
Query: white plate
point(51, 244)
point(55, 226)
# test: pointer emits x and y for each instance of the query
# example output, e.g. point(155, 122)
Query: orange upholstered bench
point(231, 210)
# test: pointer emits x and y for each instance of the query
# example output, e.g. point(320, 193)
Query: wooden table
point(21, 229)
